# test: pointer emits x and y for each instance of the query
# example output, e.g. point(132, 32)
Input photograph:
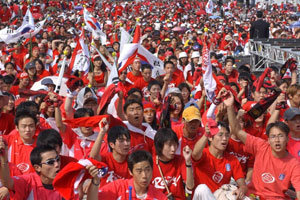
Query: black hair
point(49, 137)
point(28, 106)
point(162, 136)
point(9, 63)
point(81, 112)
point(184, 85)
point(40, 62)
point(259, 14)
point(35, 155)
point(235, 85)
point(130, 101)
point(8, 79)
point(172, 57)
point(133, 90)
point(275, 69)
point(146, 66)
point(153, 82)
point(224, 125)
point(280, 125)
point(139, 156)
point(24, 114)
point(115, 133)
point(168, 62)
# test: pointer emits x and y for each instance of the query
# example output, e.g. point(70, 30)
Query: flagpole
point(30, 46)
point(61, 74)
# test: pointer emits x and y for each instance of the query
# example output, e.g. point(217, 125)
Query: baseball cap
point(30, 65)
point(47, 81)
point(191, 113)
point(291, 113)
point(213, 126)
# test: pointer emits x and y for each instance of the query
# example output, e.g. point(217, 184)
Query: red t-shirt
point(119, 190)
point(18, 152)
point(132, 77)
point(77, 146)
point(233, 77)
point(271, 176)
point(141, 139)
point(293, 147)
point(141, 84)
point(45, 73)
point(174, 172)
point(216, 172)
point(236, 148)
point(6, 123)
point(183, 141)
point(30, 187)
point(116, 170)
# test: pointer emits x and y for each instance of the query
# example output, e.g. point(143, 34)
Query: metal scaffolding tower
point(267, 52)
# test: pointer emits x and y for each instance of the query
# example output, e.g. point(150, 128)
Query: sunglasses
point(51, 161)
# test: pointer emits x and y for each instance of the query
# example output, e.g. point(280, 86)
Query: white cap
point(195, 54)
point(183, 55)
point(236, 35)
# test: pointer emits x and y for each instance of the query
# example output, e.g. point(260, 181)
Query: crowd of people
point(146, 136)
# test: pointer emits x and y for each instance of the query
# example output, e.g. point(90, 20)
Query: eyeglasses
point(51, 161)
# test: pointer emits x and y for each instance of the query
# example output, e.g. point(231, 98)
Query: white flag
point(93, 26)
point(208, 79)
point(209, 7)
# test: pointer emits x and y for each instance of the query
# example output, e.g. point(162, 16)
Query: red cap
point(147, 104)
point(213, 126)
point(23, 75)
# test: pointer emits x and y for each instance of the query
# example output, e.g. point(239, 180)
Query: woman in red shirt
point(97, 78)
point(40, 69)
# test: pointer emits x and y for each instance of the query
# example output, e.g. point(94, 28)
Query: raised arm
point(58, 119)
point(94, 187)
point(199, 146)
point(103, 125)
point(235, 127)
point(187, 154)
point(5, 177)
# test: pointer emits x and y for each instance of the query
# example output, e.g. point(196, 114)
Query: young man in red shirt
point(275, 170)
point(118, 139)
point(213, 166)
point(292, 119)
point(140, 166)
point(231, 73)
point(21, 142)
point(79, 141)
point(174, 170)
point(142, 82)
point(170, 79)
point(37, 185)
point(190, 131)
point(23, 85)
point(136, 70)
point(141, 134)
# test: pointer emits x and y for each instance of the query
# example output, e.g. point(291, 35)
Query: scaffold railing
point(267, 52)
